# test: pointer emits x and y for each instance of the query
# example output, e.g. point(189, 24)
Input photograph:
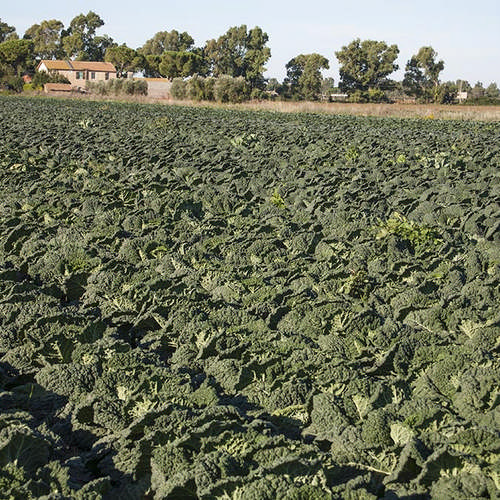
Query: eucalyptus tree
point(304, 75)
point(365, 65)
point(46, 38)
point(421, 77)
point(239, 52)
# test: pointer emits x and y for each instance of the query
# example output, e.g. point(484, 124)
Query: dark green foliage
point(304, 76)
point(118, 86)
point(230, 89)
point(178, 89)
point(422, 78)
point(240, 52)
point(40, 78)
point(365, 66)
point(180, 64)
point(222, 89)
point(200, 303)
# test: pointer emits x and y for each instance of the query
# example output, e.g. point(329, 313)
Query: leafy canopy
point(239, 52)
point(46, 38)
point(16, 56)
point(6, 31)
point(421, 77)
point(80, 41)
point(123, 58)
point(167, 40)
point(180, 64)
point(366, 64)
point(304, 75)
point(164, 41)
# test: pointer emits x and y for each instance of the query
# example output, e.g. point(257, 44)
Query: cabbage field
point(203, 303)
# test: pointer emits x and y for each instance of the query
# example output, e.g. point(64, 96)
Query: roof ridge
point(69, 64)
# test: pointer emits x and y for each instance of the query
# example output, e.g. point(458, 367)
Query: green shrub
point(229, 89)
point(222, 89)
point(258, 94)
point(118, 86)
point(12, 83)
point(209, 84)
point(40, 78)
point(483, 101)
point(178, 88)
point(445, 94)
point(128, 87)
point(376, 95)
point(371, 95)
point(359, 96)
point(140, 87)
point(195, 88)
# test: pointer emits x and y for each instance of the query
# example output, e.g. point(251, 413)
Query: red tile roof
point(77, 65)
point(93, 66)
point(54, 65)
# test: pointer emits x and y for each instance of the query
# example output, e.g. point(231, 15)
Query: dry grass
point(427, 111)
point(430, 111)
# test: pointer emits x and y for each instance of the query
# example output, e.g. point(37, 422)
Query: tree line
point(237, 58)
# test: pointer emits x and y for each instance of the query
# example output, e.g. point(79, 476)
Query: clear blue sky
point(465, 34)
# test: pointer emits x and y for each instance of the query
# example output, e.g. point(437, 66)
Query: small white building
point(338, 97)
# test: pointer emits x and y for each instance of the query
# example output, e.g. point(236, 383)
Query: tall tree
point(445, 93)
point(414, 81)
point(426, 58)
point(6, 32)
point(164, 41)
point(304, 75)
point(46, 38)
point(327, 85)
point(124, 59)
point(99, 46)
point(80, 41)
point(167, 41)
point(365, 65)
point(492, 90)
point(421, 77)
point(180, 64)
point(463, 86)
point(16, 56)
point(150, 64)
point(478, 90)
point(239, 53)
point(273, 84)
point(257, 55)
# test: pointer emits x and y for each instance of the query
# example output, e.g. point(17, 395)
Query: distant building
point(338, 97)
point(78, 72)
point(462, 96)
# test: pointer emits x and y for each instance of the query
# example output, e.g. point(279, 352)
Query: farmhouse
point(78, 72)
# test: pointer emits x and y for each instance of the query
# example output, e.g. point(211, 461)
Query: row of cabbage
point(202, 303)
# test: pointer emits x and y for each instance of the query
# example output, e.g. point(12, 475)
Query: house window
point(79, 75)
point(92, 75)
point(106, 76)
